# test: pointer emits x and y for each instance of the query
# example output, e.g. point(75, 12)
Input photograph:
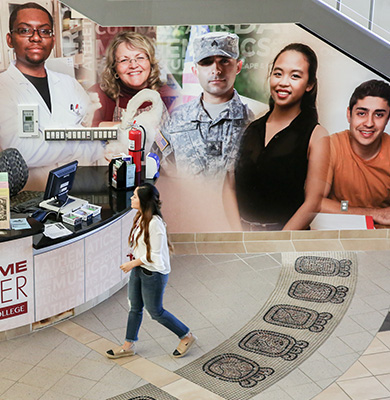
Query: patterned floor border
point(313, 292)
point(146, 392)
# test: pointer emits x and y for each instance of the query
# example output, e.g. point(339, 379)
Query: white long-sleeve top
point(159, 250)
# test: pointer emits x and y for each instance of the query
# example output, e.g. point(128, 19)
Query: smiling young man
point(359, 170)
point(60, 99)
point(204, 133)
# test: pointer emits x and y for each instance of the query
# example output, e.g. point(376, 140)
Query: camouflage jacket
point(202, 146)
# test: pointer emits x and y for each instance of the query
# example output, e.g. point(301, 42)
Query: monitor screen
point(59, 183)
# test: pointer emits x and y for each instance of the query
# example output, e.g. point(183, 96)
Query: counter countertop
point(91, 184)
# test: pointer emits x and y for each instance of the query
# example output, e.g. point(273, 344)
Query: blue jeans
point(148, 290)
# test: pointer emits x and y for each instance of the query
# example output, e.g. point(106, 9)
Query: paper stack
point(325, 221)
point(4, 201)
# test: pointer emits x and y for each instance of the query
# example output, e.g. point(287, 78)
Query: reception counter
point(44, 280)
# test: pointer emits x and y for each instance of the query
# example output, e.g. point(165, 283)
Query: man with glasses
point(61, 101)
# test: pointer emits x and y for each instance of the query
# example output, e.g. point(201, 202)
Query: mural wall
point(206, 182)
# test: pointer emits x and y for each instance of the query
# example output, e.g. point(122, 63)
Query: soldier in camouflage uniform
point(204, 134)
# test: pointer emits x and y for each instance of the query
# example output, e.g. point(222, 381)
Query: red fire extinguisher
point(135, 144)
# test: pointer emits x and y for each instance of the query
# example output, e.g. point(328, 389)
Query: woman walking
point(150, 266)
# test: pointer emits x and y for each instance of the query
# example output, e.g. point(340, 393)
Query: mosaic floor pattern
point(146, 392)
point(312, 294)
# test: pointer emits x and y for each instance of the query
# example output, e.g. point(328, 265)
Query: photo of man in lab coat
point(61, 101)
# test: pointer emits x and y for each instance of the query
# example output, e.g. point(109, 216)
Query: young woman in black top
point(281, 168)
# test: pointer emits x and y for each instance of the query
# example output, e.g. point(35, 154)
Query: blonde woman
point(131, 66)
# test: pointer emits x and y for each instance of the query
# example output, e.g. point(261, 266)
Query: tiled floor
point(215, 295)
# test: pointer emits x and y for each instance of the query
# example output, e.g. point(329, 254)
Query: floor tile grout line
point(101, 337)
point(366, 377)
point(32, 367)
point(123, 365)
point(342, 390)
point(106, 339)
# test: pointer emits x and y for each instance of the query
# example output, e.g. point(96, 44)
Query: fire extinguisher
point(136, 148)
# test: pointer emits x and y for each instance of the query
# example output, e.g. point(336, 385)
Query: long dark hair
point(150, 205)
point(308, 102)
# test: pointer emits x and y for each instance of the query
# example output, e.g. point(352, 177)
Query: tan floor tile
point(219, 237)
point(333, 392)
point(185, 248)
point(90, 369)
point(14, 333)
point(52, 395)
point(77, 332)
point(151, 372)
point(13, 370)
point(376, 346)
point(312, 235)
point(385, 380)
point(364, 389)
point(186, 390)
point(364, 245)
point(357, 370)
point(21, 391)
point(377, 363)
point(270, 246)
point(222, 247)
point(317, 245)
point(102, 345)
point(5, 384)
point(358, 374)
point(182, 237)
point(269, 235)
point(31, 354)
point(73, 386)
point(126, 360)
point(366, 234)
point(384, 337)
point(43, 378)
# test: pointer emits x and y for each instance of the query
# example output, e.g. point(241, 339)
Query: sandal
point(183, 348)
point(119, 352)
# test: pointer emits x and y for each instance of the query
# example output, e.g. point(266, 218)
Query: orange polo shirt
point(363, 183)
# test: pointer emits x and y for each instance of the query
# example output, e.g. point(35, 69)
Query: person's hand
point(381, 215)
point(114, 149)
point(128, 266)
point(94, 105)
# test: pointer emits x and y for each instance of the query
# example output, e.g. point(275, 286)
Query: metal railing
point(369, 20)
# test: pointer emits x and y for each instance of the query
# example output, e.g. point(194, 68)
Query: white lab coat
point(65, 93)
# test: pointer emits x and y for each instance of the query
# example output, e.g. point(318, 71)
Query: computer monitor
point(59, 183)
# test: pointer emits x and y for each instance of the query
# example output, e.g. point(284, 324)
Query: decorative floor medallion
point(318, 292)
point(273, 344)
point(145, 392)
point(142, 398)
point(234, 368)
point(297, 318)
point(325, 266)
